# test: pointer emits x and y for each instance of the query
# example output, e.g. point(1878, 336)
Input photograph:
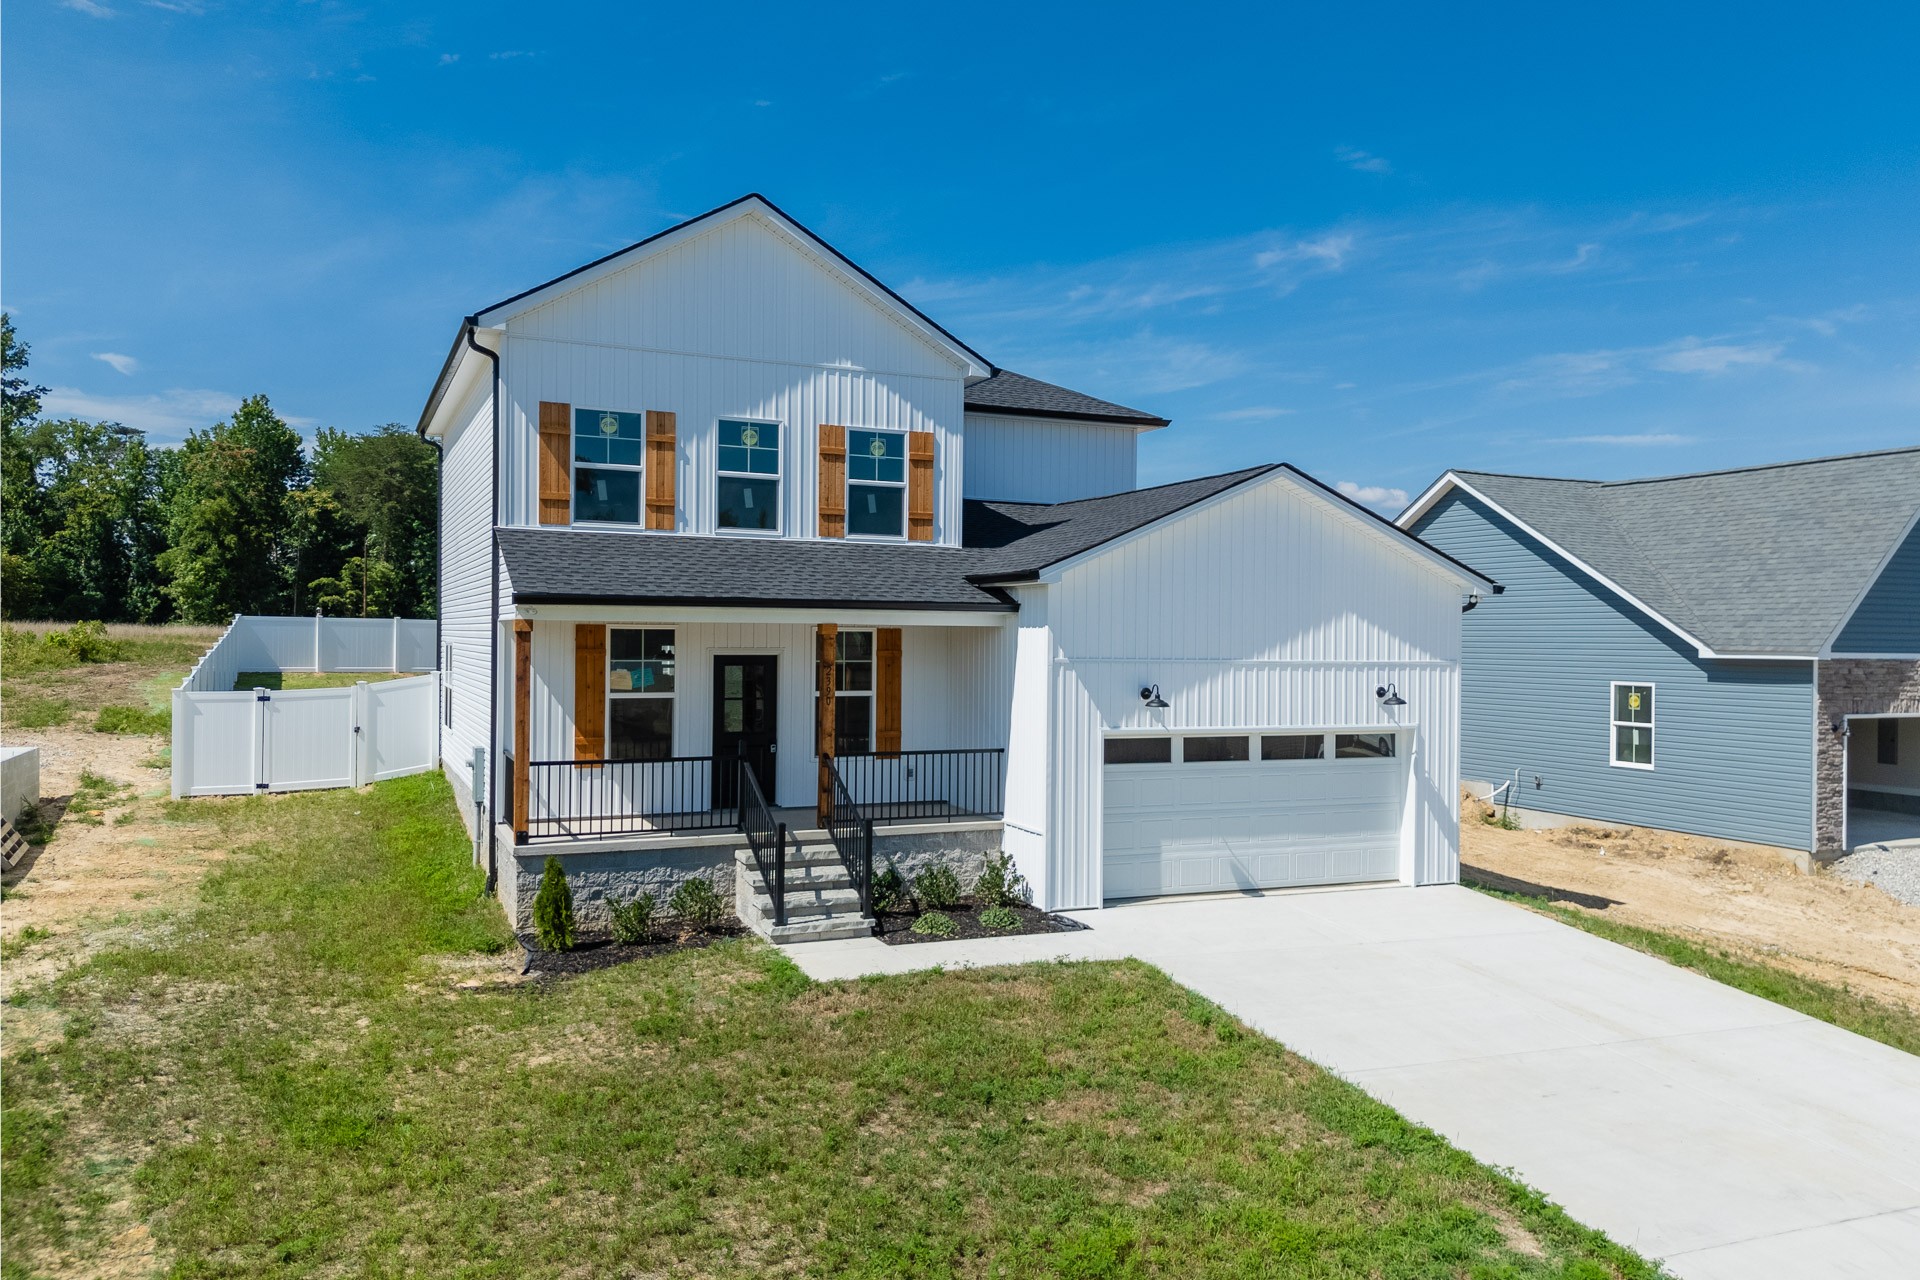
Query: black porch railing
point(624, 797)
point(852, 835)
point(957, 784)
point(767, 838)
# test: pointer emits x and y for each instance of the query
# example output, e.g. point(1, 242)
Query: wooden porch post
point(826, 656)
point(522, 725)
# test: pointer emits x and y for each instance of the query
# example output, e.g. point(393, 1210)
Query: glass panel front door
point(746, 723)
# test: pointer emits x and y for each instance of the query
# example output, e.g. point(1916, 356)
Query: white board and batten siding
point(1308, 612)
point(1018, 459)
point(738, 322)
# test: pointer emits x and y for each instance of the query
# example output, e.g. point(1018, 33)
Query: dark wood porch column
point(522, 725)
point(826, 656)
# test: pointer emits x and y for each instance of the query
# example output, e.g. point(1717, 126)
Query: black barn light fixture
point(1389, 698)
point(1150, 694)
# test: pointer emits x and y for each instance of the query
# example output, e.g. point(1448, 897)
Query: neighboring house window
point(1887, 743)
point(1633, 725)
point(876, 484)
point(606, 465)
point(1362, 746)
point(749, 475)
point(1139, 750)
point(639, 693)
point(853, 693)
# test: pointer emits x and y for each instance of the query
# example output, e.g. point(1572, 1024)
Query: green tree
point(232, 537)
point(95, 534)
point(385, 484)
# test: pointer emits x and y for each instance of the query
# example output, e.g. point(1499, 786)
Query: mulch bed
point(896, 927)
point(591, 953)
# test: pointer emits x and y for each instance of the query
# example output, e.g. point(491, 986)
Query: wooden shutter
point(826, 651)
point(522, 726)
point(556, 463)
point(886, 690)
point(589, 691)
point(663, 459)
point(833, 481)
point(920, 486)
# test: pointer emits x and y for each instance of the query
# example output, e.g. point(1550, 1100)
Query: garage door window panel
point(1363, 746)
point(1213, 749)
point(1293, 746)
point(1139, 750)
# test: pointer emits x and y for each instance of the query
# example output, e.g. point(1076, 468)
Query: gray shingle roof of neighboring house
point(1010, 392)
point(1760, 560)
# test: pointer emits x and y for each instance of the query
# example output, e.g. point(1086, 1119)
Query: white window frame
point(779, 478)
point(901, 485)
point(639, 469)
point(673, 712)
point(1613, 725)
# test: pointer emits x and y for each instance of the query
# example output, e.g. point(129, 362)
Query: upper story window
point(1633, 725)
point(876, 484)
point(607, 449)
point(749, 475)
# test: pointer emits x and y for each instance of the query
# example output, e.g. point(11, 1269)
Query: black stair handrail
point(852, 834)
point(766, 837)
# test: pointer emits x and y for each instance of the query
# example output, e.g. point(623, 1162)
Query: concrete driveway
point(1719, 1132)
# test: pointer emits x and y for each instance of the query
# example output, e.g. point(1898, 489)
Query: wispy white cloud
point(763, 102)
point(190, 8)
point(1642, 439)
point(1252, 413)
point(1329, 250)
point(1380, 497)
point(1363, 161)
point(167, 416)
point(448, 59)
point(88, 7)
point(1693, 356)
point(118, 363)
point(506, 54)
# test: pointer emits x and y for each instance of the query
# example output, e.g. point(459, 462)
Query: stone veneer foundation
point(1851, 687)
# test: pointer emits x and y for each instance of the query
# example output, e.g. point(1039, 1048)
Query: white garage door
point(1206, 813)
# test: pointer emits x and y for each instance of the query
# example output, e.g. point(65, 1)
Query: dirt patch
point(1747, 899)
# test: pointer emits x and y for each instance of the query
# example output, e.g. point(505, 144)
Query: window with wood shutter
point(920, 486)
point(662, 463)
point(826, 652)
point(833, 481)
point(589, 691)
point(886, 690)
point(556, 471)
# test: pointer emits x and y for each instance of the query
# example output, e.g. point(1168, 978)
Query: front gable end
point(1887, 619)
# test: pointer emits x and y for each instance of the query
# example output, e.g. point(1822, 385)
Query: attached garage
point(1209, 813)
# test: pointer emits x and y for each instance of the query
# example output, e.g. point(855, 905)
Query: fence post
point(360, 736)
point(396, 643)
point(260, 700)
point(316, 641)
point(181, 736)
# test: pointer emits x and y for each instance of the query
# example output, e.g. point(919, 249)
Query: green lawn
point(311, 679)
point(292, 1079)
point(1861, 1014)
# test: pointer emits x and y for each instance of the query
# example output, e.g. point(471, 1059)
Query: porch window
point(606, 465)
point(853, 693)
point(1632, 725)
point(639, 693)
point(876, 484)
point(749, 475)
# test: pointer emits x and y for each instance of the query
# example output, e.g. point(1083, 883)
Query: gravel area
point(1895, 870)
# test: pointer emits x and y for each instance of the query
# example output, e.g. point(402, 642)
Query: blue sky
point(1578, 240)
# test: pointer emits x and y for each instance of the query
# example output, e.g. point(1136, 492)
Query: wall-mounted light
point(1150, 694)
point(1388, 698)
point(1471, 603)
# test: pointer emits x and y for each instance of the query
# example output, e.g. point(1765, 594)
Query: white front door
point(1196, 823)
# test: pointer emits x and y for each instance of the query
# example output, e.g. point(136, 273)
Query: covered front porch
point(643, 725)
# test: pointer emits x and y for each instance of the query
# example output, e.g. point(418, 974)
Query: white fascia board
point(1826, 650)
point(1418, 507)
point(472, 368)
point(817, 250)
point(666, 614)
point(1062, 420)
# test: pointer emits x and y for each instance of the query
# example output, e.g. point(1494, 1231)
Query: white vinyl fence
point(228, 742)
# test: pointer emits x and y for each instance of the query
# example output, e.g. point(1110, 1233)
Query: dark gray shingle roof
point(1762, 560)
point(1010, 392)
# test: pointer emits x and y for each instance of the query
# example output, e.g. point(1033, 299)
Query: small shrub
point(1000, 885)
point(937, 888)
point(553, 909)
point(82, 642)
point(889, 889)
point(633, 920)
point(697, 905)
point(935, 924)
point(116, 718)
point(999, 918)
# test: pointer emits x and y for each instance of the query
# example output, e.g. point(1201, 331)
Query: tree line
point(242, 517)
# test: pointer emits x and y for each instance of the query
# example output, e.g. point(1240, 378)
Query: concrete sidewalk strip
point(1723, 1133)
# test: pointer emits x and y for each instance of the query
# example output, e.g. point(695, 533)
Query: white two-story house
point(733, 536)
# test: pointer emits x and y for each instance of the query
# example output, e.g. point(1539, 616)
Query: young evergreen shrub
point(553, 909)
point(937, 888)
point(1000, 885)
point(633, 919)
point(935, 924)
point(698, 905)
point(999, 918)
point(889, 889)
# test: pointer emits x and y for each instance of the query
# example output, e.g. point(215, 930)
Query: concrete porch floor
point(1882, 828)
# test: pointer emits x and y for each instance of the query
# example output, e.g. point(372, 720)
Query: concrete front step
point(819, 930)
point(813, 903)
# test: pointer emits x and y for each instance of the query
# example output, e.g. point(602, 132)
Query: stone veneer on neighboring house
point(1851, 687)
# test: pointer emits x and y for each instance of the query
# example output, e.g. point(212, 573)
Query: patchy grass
point(54, 672)
point(119, 718)
point(1862, 1014)
point(319, 1071)
point(310, 679)
point(30, 709)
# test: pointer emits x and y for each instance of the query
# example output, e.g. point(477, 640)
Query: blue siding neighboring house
point(1724, 606)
